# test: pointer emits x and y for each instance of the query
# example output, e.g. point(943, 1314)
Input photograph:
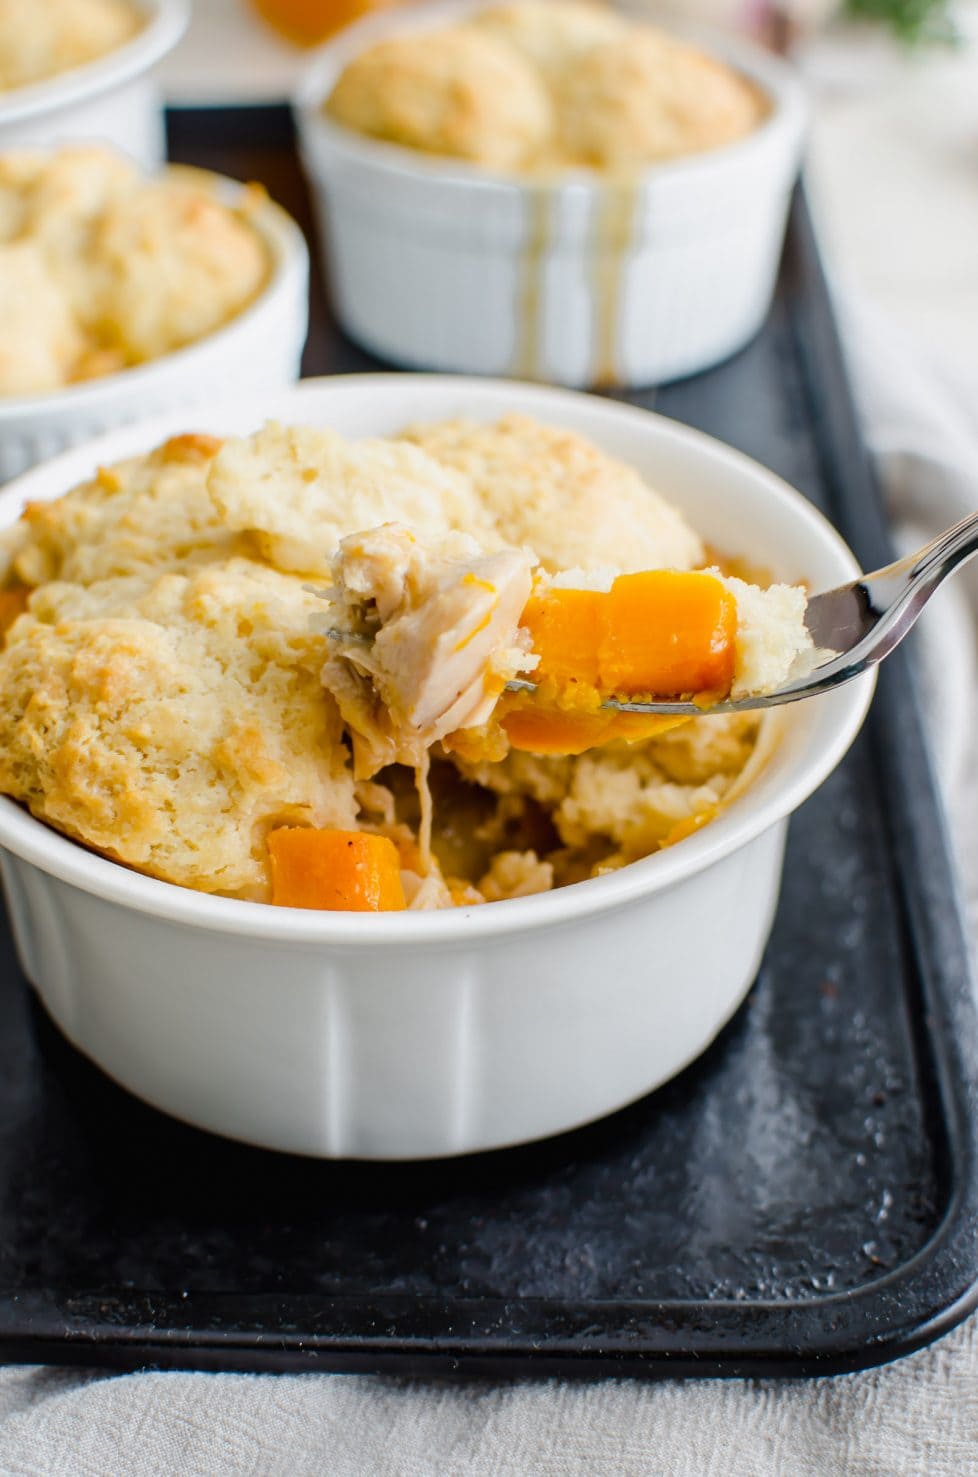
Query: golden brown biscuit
point(39, 40)
point(145, 515)
point(40, 340)
point(296, 491)
point(608, 92)
point(649, 97)
point(172, 264)
point(59, 195)
point(170, 722)
point(135, 267)
point(457, 92)
point(575, 506)
point(552, 34)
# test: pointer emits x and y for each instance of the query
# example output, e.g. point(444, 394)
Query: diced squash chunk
point(565, 626)
point(13, 602)
point(546, 730)
point(657, 634)
point(538, 729)
point(662, 632)
point(668, 633)
point(348, 871)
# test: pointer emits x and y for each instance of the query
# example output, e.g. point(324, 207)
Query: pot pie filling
point(102, 268)
point(275, 667)
point(540, 86)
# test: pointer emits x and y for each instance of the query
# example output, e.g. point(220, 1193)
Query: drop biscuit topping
point(275, 666)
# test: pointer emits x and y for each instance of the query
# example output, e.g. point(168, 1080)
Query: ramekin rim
point(288, 250)
point(166, 24)
point(784, 87)
point(70, 861)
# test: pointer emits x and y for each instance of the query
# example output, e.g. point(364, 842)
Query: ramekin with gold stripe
point(582, 279)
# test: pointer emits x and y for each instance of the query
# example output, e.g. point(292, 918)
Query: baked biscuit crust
point(162, 695)
point(558, 493)
point(101, 269)
point(457, 92)
point(538, 86)
point(169, 722)
point(38, 41)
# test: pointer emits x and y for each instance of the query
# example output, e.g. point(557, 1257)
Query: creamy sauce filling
point(423, 787)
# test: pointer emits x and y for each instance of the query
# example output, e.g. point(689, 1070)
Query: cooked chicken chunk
point(429, 637)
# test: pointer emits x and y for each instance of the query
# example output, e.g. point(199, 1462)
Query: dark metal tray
point(802, 1200)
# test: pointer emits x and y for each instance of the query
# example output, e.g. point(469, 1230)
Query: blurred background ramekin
point(258, 349)
point(406, 1035)
point(582, 280)
point(112, 99)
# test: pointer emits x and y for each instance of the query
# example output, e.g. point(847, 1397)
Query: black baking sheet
point(801, 1200)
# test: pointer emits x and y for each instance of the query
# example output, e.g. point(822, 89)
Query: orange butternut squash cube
point(537, 729)
point(659, 634)
point(13, 602)
point(346, 871)
point(565, 626)
point(667, 633)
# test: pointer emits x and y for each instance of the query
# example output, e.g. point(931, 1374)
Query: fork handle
point(900, 591)
point(936, 560)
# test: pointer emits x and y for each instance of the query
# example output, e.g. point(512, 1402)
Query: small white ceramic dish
point(405, 1035)
point(437, 265)
point(111, 99)
point(259, 349)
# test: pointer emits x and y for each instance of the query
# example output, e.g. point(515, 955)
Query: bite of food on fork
point(485, 651)
point(558, 664)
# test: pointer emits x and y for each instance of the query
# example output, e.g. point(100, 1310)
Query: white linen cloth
point(919, 1415)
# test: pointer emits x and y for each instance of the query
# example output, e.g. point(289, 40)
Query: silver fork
point(859, 623)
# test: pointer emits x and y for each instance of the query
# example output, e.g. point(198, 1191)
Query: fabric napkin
point(926, 452)
point(919, 1415)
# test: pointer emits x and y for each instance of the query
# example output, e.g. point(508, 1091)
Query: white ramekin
point(259, 349)
point(112, 99)
point(437, 265)
point(406, 1035)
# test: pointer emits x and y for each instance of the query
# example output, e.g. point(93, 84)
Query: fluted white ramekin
point(404, 1035)
point(583, 280)
point(259, 349)
point(112, 99)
